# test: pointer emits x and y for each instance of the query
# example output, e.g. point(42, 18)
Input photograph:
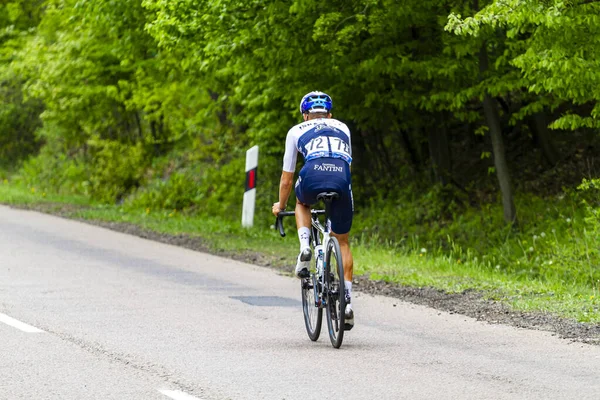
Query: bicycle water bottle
point(319, 254)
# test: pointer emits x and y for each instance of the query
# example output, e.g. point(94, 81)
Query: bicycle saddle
point(328, 197)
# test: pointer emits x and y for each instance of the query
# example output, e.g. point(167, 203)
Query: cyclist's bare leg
point(346, 255)
point(303, 217)
point(303, 222)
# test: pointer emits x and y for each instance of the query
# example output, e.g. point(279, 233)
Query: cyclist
point(326, 146)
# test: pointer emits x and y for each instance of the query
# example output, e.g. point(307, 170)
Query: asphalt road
point(112, 316)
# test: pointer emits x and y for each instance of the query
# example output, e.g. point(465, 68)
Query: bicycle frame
point(319, 230)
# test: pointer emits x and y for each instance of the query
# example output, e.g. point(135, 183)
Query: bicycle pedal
point(348, 327)
point(304, 274)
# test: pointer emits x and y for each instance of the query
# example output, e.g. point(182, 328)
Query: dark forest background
point(475, 123)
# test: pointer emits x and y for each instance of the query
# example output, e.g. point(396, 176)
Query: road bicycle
point(323, 288)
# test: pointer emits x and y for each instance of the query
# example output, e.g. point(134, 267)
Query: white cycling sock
point(348, 286)
point(304, 236)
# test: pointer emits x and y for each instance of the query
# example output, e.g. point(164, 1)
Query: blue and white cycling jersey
point(326, 147)
point(317, 138)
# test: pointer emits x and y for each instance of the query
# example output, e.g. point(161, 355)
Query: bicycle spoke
point(335, 315)
point(335, 294)
point(312, 314)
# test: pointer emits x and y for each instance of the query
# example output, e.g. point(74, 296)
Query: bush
point(53, 170)
point(556, 237)
point(104, 170)
point(115, 169)
point(180, 190)
point(203, 188)
point(180, 181)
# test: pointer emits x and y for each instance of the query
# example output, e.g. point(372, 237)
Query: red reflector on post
point(251, 179)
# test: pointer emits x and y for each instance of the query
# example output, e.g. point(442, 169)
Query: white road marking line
point(178, 395)
point(18, 324)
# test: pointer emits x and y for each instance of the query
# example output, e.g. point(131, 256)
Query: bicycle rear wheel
point(335, 293)
point(313, 315)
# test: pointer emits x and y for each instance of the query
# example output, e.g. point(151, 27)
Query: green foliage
point(19, 120)
point(153, 103)
point(555, 56)
point(204, 189)
point(19, 117)
point(557, 240)
point(54, 171)
point(106, 170)
point(115, 169)
point(179, 191)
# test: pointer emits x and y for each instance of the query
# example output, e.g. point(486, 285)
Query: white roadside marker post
point(250, 193)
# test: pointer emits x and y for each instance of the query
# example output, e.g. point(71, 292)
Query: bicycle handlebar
point(279, 220)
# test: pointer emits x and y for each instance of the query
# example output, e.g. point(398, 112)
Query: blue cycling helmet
point(315, 102)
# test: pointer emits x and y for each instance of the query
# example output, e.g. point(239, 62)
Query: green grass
point(14, 194)
point(452, 270)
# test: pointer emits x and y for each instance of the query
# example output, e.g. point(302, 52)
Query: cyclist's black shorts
point(328, 175)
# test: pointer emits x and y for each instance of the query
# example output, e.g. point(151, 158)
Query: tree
point(19, 116)
point(557, 59)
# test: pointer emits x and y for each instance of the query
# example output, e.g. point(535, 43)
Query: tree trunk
point(383, 152)
point(155, 138)
point(138, 124)
point(409, 148)
point(370, 160)
point(221, 114)
point(439, 152)
point(492, 117)
point(538, 124)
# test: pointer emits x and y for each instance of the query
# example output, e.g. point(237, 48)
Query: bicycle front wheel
point(335, 293)
point(313, 315)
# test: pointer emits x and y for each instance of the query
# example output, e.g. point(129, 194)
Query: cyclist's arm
point(285, 188)
point(289, 166)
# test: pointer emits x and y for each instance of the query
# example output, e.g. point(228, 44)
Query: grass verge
point(452, 271)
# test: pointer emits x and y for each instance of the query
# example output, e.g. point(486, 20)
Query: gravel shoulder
point(470, 303)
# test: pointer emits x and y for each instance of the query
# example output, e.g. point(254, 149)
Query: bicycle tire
point(335, 292)
point(313, 315)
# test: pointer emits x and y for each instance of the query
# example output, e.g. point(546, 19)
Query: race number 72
point(322, 143)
